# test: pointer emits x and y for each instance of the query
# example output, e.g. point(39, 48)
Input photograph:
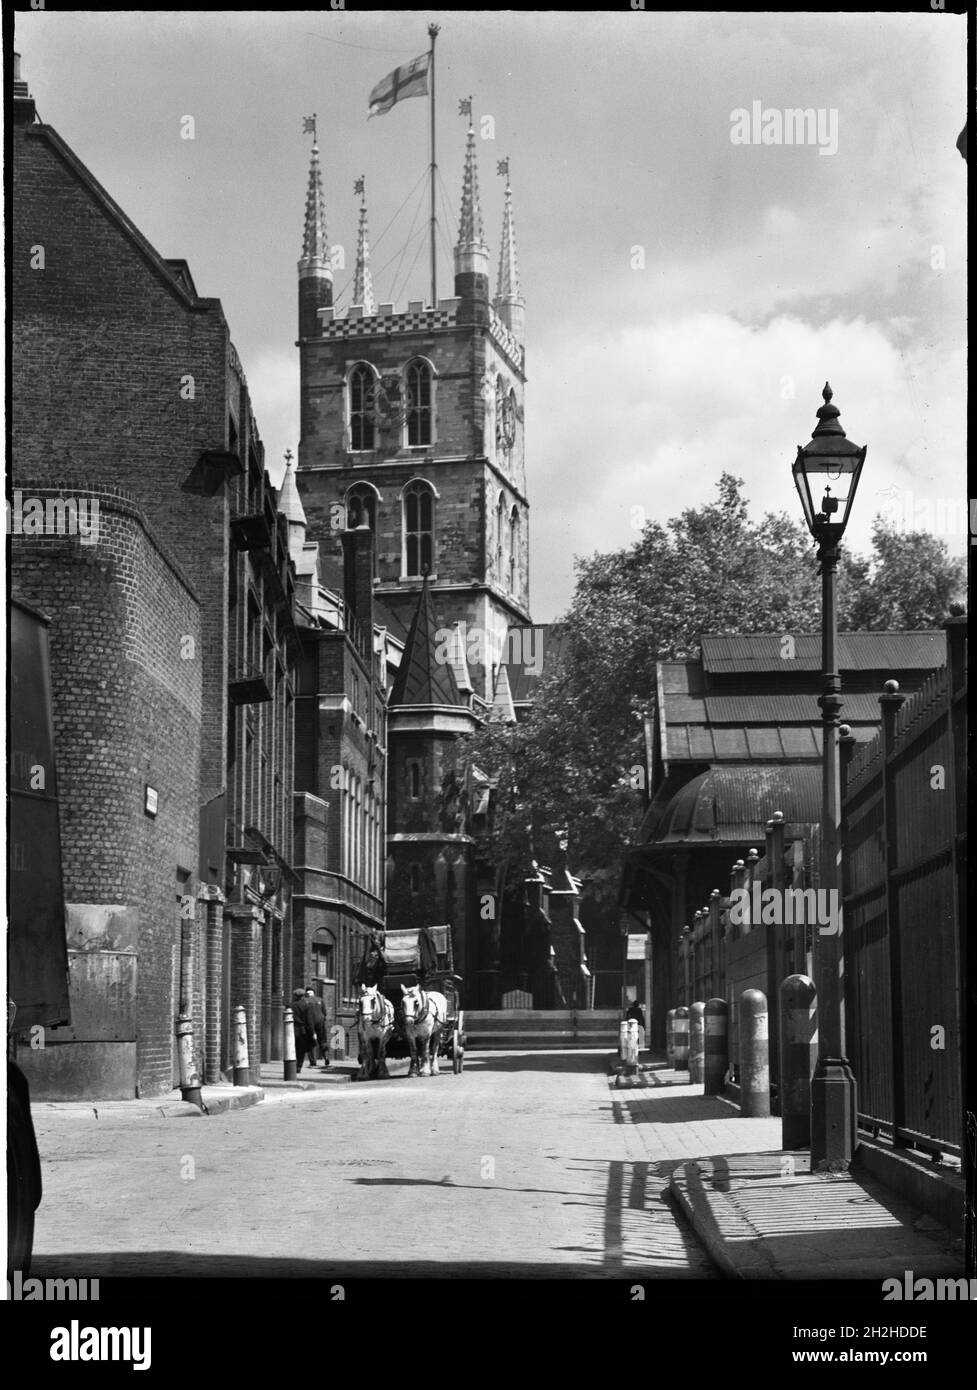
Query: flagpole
point(433, 30)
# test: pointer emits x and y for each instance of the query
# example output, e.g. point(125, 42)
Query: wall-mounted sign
point(636, 946)
point(151, 804)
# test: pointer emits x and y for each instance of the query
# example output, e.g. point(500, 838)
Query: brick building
point(126, 378)
point(340, 763)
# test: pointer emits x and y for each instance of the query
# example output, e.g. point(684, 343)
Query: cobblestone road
point(527, 1164)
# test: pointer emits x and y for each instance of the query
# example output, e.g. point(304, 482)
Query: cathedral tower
point(412, 420)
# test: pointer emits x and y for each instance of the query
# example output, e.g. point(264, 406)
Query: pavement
point(760, 1211)
point(216, 1099)
point(757, 1209)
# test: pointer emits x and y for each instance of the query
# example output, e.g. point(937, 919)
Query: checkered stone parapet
point(356, 324)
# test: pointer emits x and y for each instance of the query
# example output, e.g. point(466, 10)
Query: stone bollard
point(754, 1055)
point(670, 1037)
point(242, 1072)
point(189, 1076)
point(716, 1022)
point(680, 1045)
point(288, 1047)
point(629, 1044)
point(798, 1056)
point(697, 1043)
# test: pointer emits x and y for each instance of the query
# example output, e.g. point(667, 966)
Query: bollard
point(681, 1039)
point(670, 1037)
point(242, 1073)
point(288, 1047)
point(754, 1055)
point(716, 1059)
point(629, 1044)
point(697, 1045)
point(798, 1056)
point(189, 1077)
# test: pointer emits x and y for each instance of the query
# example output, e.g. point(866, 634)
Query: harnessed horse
point(374, 1023)
point(425, 1014)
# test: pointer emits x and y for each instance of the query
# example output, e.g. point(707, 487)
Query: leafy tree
point(578, 759)
point(908, 583)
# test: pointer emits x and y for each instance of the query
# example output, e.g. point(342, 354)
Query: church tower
point(412, 420)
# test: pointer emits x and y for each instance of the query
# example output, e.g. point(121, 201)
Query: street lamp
point(832, 461)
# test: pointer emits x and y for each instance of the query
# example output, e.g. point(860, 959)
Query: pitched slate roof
point(421, 678)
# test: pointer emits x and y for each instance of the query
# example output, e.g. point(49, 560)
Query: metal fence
point(904, 866)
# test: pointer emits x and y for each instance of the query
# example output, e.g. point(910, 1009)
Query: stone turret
point(315, 267)
point(508, 302)
point(471, 253)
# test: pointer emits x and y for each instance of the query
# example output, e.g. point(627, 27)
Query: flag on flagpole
point(407, 81)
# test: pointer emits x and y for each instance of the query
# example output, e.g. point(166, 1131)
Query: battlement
point(354, 323)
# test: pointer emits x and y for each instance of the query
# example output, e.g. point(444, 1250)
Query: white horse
point(425, 1014)
point(374, 1022)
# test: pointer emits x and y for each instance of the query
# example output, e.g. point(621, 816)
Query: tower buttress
point(471, 253)
point(315, 266)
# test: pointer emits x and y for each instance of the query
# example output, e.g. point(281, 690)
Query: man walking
point(304, 1031)
point(317, 1022)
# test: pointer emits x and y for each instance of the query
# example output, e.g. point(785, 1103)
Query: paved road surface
point(526, 1164)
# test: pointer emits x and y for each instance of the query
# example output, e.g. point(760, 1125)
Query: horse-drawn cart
point(421, 988)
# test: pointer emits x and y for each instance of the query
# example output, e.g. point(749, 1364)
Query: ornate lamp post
point(833, 461)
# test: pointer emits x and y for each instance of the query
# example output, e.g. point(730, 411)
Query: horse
point(425, 1014)
point(374, 1022)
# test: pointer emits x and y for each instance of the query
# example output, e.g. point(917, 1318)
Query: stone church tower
point(412, 420)
point(412, 424)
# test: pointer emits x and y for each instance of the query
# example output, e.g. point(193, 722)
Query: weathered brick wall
point(102, 344)
point(127, 713)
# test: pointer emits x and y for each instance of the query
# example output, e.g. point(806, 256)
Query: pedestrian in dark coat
point(304, 1030)
point(317, 1018)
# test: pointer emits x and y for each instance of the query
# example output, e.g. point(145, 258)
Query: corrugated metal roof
point(771, 709)
point(857, 651)
point(733, 804)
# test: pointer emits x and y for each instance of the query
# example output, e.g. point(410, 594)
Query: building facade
point(126, 389)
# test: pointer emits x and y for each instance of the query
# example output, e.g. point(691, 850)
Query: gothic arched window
point(420, 415)
point(362, 425)
point(499, 533)
point(418, 529)
point(513, 546)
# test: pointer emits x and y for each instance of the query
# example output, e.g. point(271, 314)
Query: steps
point(519, 1029)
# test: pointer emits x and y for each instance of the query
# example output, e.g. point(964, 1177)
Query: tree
point(908, 583)
point(579, 759)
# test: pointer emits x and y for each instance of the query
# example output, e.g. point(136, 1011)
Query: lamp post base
point(833, 1116)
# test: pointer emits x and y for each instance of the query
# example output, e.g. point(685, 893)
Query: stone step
point(541, 1028)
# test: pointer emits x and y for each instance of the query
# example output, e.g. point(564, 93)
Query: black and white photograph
point(486, 587)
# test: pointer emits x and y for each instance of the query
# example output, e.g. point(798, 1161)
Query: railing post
point(697, 1043)
point(189, 1076)
point(670, 1037)
point(798, 1057)
point(681, 1036)
point(754, 1055)
point(288, 1047)
point(716, 1058)
point(242, 1072)
point(891, 701)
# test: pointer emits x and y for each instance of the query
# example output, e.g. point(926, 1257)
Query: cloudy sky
point(687, 296)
